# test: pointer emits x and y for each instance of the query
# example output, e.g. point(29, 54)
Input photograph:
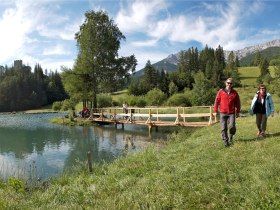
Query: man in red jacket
point(228, 102)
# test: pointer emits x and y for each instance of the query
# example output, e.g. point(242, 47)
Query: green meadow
point(192, 170)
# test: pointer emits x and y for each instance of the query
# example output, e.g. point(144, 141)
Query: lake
point(31, 147)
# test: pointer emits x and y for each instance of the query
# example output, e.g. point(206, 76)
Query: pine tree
point(264, 67)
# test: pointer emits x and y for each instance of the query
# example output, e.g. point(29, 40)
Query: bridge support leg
point(116, 125)
point(150, 129)
point(122, 126)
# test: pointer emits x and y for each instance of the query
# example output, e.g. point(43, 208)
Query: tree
point(98, 66)
point(258, 59)
point(150, 76)
point(264, 67)
point(231, 69)
point(203, 93)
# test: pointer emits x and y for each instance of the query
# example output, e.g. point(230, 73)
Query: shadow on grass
point(269, 135)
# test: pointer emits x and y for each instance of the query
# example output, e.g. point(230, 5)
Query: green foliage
point(57, 105)
point(138, 101)
point(155, 97)
point(270, 53)
point(16, 184)
point(277, 71)
point(104, 100)
point(179, 99)
point(138, 88)
point(150, 76)
point(231, 70)
point(2, 184)
point(275, 61)
point(20, 89)
point(172, 88)
point(68, 104)
point(98, 66)
point(203, 93)
point(264, 67)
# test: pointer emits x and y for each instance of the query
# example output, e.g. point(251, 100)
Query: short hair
point(230, 80)
point(262, 86)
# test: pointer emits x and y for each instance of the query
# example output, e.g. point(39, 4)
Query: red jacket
point(229, 103)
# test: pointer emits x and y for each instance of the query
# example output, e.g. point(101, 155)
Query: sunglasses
point(229, 83)
point(262, 88)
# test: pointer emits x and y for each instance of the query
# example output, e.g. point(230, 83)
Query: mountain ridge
point(171, 61)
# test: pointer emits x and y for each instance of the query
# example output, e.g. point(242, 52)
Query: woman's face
point(262, 90)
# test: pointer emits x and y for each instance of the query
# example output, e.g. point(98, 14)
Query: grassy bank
point(194, 171)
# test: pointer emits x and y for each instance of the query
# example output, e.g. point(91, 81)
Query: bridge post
point(150, 128)
point(210, 119)
point(177, 119)
point(157, 116)
point(150, 116)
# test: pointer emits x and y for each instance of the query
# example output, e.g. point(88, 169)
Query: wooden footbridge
point(196, 116)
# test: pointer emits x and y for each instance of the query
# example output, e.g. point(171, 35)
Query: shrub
point(179, 99)
point(104, 100)
point(57, 105)
point(138, 101)
point(16, 184)
point(155, 97)
point(203, 93)
point(68, 104)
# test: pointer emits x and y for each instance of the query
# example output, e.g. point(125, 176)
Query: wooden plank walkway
point(197, 116)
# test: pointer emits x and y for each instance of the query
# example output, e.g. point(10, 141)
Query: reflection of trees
point(22, 141)
point(105, 142)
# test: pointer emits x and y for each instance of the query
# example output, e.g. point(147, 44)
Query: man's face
point(229, 84)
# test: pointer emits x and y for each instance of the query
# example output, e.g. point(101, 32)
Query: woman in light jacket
point(262, 105)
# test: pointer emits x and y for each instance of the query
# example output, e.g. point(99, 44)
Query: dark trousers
point(261, 121)
point(227, 121)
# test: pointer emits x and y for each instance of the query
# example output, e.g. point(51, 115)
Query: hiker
point(228, 102)
point(85, 112)
point(262, 105)
point(125, 109)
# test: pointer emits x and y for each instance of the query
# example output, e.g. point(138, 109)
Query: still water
point(30, 145)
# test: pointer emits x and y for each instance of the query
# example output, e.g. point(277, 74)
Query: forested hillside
point(22, 89)
point(270, 54)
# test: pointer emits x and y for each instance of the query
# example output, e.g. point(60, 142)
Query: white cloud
point(56, 50)
point(147, 43)
point(139, 16)
point(33, 29)
point(13, 34)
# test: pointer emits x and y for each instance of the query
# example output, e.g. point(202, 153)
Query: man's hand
point(272, 114)
point(237, 115)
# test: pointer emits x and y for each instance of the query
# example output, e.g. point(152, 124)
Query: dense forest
point(22, 89)
point(209, 65)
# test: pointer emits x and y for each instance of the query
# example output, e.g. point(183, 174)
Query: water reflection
point(28, 140)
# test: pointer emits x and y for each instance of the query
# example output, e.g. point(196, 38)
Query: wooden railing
point(157, 116)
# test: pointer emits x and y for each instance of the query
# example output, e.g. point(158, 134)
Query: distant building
point(18, 64)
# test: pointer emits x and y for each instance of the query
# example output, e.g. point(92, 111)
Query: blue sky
point(42, 31)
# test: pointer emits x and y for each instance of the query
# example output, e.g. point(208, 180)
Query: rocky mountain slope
point(253, 49)
point(170, 63)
